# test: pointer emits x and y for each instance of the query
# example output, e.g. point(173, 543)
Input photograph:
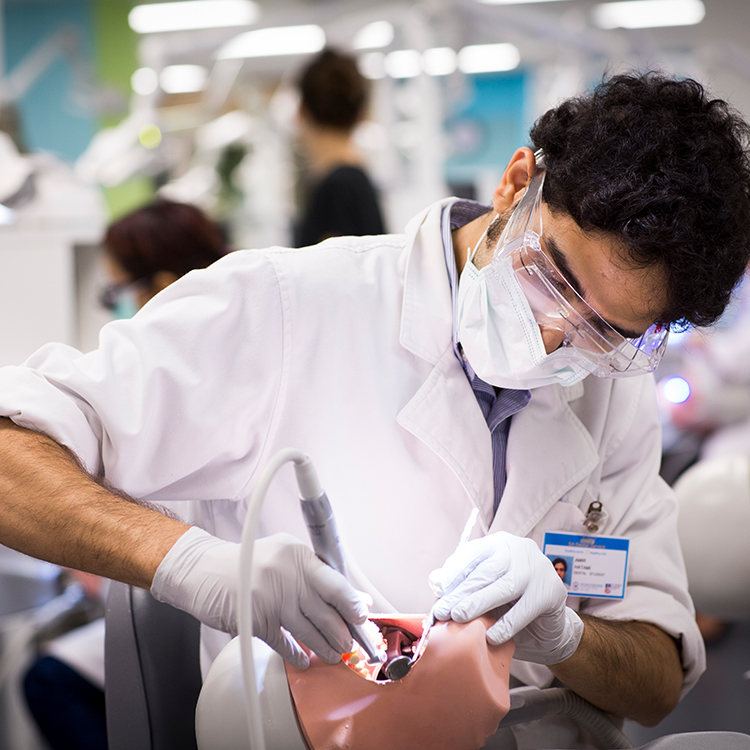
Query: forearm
point(51, 509)
point(627, 668)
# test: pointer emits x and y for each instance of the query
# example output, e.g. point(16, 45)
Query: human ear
point(514, 180)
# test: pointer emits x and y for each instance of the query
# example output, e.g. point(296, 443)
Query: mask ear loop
point(473, 252)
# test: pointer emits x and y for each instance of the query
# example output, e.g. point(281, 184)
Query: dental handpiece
point(324, 536)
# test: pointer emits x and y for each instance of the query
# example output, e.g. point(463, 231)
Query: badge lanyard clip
point(594, 517)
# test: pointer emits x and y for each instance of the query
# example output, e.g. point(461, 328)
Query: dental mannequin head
point(452, 699)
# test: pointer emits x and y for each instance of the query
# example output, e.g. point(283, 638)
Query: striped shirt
point(498, 405)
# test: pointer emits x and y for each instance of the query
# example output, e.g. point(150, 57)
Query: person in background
point(145, 251)
point(148, 249)
point(342, 200)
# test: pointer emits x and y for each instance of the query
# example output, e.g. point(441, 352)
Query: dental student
point(496, 357)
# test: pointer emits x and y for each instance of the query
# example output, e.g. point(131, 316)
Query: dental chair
point(153, 682)
point(152, 672)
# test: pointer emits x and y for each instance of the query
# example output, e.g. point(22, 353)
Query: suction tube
point(322, 528)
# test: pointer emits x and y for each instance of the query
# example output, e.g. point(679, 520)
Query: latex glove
point(295, 595)
point(500, 570)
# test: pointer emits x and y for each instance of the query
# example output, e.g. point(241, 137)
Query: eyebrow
point(562, 265)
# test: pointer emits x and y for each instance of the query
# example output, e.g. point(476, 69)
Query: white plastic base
point(221, 717)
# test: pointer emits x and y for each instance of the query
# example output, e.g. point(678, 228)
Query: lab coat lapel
point(549, 452)
point(444, 413)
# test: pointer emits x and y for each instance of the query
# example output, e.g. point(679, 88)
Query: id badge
point(591, 566)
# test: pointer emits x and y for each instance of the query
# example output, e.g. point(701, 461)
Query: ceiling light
point(374, 35)
point(439, 61)
point(643, 14)
point(488, 58)
point(403, 63)
point(192, 14)
point(183, 79)
point(372, 65)
point(278, 40)
point(144, 81)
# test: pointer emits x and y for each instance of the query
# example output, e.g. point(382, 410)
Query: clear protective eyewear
point(557, 305)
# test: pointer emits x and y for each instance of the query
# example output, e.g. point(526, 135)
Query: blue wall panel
point(487, 126)
point(52, 117)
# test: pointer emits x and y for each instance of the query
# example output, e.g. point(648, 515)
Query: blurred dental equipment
point(713, 524)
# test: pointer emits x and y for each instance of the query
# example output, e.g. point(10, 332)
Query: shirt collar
point(457, 213)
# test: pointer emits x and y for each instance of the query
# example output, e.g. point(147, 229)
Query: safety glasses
point(557, 305)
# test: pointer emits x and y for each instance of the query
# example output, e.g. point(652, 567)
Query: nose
point(553, 338)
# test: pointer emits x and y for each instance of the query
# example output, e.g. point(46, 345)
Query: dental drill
point(322, 528)
point(321, 525)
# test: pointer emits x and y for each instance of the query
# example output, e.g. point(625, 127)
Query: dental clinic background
point(106, 105)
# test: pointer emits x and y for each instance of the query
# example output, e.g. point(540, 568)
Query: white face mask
point(499, 335)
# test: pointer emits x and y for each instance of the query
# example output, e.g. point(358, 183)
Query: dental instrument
point(398, 668)
point(321, 525)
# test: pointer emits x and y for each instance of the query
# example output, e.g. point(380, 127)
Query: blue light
point(676, 390)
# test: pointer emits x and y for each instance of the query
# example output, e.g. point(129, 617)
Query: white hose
point(249, 533)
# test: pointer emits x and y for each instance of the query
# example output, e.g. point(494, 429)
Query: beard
point(486, 250)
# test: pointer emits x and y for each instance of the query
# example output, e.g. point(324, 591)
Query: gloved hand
point(502, 569)
point(295, 595)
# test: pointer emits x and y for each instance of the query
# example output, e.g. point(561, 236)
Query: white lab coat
point(344, 351)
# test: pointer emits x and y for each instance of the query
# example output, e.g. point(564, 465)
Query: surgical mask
point(122, 299)
point(126, 306)
point(500, 336)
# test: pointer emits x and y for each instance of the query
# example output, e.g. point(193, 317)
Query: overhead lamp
point(439, 61)
point(488, 58)
point(144, 81)
point(183, 79)
point(186, 15)
point(372, 65)
point(374, 36)
point(277, 40)
point(644, 14)
point(403, 63)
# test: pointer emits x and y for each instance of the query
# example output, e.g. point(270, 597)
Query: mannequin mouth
point(397, 639)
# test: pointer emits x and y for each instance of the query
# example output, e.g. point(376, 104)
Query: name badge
point(591, 566)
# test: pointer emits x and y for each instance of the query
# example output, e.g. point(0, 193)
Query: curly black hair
point(665, 169)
